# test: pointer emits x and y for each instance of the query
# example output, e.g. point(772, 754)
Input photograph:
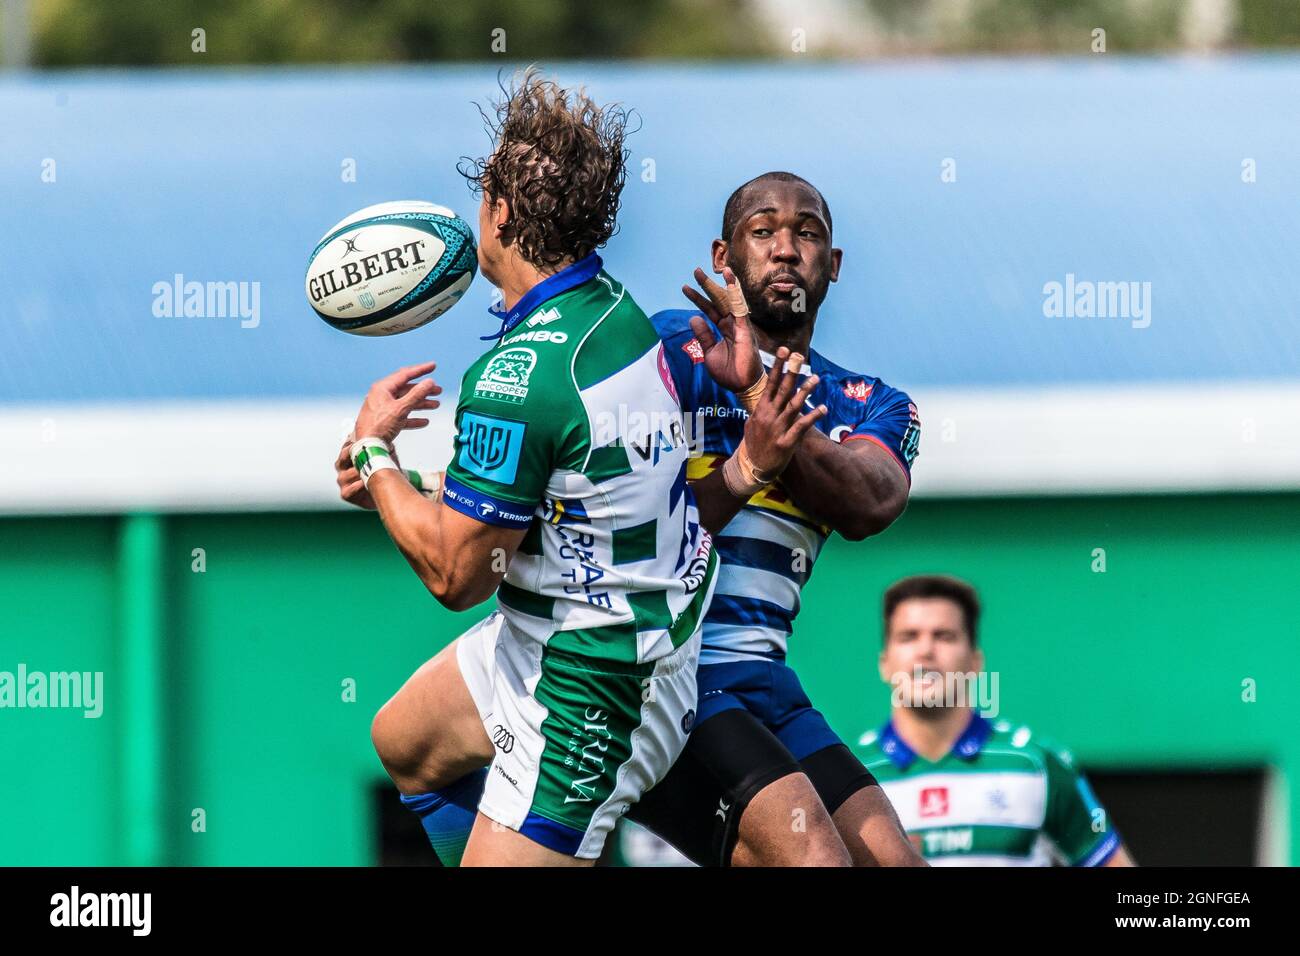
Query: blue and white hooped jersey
point(769, 548)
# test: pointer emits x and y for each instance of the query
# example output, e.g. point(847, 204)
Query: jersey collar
point(569, 277)
point(967, 746)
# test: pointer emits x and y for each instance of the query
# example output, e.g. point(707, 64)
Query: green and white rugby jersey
point(1000, 797)
point(570, 427)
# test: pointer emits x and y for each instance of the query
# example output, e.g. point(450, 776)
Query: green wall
point(224, 690)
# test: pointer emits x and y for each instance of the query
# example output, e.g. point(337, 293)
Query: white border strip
point(189, 456)
point(1109, 439)
point(270, 454)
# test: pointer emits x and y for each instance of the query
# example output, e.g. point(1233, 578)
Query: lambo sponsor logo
point(539, 335)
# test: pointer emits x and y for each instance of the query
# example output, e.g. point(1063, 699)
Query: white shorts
point(578, 740)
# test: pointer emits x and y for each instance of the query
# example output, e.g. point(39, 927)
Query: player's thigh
point(786, 824)
point(690, 810)
point(430, 732)
point(581, 739)
point(863, 815)
point(738, 797)
point(491, 844)
point(872, 832)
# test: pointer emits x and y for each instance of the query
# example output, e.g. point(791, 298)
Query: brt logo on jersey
point(489, 447)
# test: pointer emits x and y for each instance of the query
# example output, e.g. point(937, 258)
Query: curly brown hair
point(560, 162)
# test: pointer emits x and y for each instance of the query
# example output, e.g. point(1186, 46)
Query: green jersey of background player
point(567, 489)
point(971, 791)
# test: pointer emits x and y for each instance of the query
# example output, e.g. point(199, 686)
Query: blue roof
point(1110, 169)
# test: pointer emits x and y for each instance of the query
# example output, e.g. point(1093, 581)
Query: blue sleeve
point(681, 351)
point(891, 422)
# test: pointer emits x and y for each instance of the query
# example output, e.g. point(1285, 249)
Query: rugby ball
point(391, 268)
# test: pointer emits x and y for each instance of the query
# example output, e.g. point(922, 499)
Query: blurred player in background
point(567, 497)
point(972, 791)
point(764, 780)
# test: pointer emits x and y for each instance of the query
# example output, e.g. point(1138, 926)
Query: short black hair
point(731, 211)
point(935, 586)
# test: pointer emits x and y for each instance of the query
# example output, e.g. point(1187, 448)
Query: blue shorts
point(770, 690)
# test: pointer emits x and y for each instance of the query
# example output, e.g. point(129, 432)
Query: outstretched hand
point(391, 400)
point(778, 423)
point(733, 359)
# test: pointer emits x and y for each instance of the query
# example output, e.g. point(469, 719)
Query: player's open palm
point(731, 359)
point(779, 421)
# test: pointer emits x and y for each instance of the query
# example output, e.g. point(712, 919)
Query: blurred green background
point(1141, 666)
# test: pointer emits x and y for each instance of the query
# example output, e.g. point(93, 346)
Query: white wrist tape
point(371, 455)
point(427, 483)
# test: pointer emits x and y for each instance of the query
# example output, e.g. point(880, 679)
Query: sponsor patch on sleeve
point(490, 447)
point(695, 350)
point(484, 507)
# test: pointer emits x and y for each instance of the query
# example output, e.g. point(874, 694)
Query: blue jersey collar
point(967, 746)
point(569, 277)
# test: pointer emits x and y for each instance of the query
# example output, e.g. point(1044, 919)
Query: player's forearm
point(715, 501)
point(858, 495)
point(414, 523)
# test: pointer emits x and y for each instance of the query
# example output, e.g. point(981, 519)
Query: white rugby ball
point(391, 267)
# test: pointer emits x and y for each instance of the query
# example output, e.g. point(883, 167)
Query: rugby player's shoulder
point(1018, 736)
point(673, 323)
point(607, 312)
point(860, 386)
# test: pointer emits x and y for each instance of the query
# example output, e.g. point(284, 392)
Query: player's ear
point(880, 664)
point(719, 255)
point(837, 256)
point(501, 216)
point(977, 659)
